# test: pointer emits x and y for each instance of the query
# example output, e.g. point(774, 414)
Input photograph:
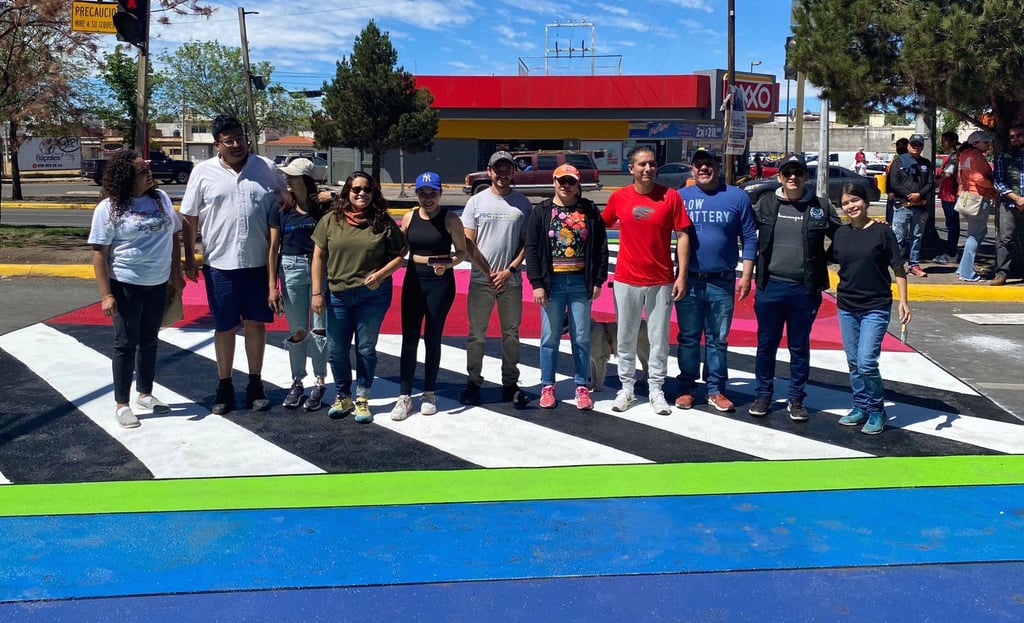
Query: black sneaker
point(255, 397)
point(512, 393)
point(471, 395)
point(224, 400)
point(295, 396)
point(316, 398)
point(796, 410)
point(760, 407)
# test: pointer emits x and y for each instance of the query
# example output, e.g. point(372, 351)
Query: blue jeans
point(783, 303)
point(706, 309)
point(908, 225)
point(296, 287)
point(567, 291)
point(977, 227)
point(952, 227)
point(357, 312)
point(862, 340)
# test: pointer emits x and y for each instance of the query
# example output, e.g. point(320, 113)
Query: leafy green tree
point(208, 79)
point(964, 57)
point(374, 105)
point(113, 99)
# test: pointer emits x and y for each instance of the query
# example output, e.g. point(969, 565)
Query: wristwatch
point(512, 269)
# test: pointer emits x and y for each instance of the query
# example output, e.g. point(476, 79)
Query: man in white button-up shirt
point(229, 199)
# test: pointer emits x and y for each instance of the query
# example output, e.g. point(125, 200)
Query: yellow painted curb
point(78, 271)
point(963, 293)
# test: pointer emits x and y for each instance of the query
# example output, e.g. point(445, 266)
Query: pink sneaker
point(583, 400)
point(547, 397)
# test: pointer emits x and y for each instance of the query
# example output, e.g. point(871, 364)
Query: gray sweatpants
point(630, 303)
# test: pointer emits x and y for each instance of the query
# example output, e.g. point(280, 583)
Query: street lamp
point(754, 64)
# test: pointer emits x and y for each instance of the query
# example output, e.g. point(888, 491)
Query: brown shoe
point(684, 401)
point(720, 403)
point(998, 280)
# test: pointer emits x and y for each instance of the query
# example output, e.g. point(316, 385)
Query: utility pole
point(142, 101)
point(254, 137)
point(729, 168)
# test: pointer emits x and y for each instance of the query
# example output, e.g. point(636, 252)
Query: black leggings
point(140, 310)
point(424, 296)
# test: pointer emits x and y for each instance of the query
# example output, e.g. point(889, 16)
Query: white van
point(848, 159)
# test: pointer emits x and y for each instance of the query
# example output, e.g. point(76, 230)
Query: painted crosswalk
point(948, 418)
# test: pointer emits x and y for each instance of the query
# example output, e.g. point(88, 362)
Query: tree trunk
point(375, 165)
point(12, 136)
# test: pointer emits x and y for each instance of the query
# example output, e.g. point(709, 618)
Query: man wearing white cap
point(495, 221)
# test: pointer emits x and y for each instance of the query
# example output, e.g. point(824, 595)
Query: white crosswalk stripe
point(188, 442)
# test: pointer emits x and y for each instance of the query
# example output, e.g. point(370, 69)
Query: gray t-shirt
point(788, 250)
point(500, 226)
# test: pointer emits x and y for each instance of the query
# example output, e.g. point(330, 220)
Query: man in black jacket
point(911, 183)
point(790, 273)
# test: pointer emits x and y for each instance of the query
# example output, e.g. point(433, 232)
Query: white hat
point(297, 167)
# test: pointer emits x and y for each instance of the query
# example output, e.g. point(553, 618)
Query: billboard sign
point(50, 154)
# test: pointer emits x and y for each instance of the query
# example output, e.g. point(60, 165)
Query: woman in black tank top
point(437, 242)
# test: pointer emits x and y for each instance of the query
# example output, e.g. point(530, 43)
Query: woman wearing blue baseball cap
point(437, 242)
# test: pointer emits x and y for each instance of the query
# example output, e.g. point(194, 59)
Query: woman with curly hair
point(136, 253)
point(360, 246)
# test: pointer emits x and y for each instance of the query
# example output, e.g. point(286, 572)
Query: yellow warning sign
point(97, 17)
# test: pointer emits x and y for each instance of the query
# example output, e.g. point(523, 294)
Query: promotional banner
point(736, 141)
point(50, 154)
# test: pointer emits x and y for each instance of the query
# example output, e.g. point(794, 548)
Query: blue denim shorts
point(236, 295)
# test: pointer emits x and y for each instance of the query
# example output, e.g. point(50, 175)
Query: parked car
point(769, 169)
point(673, 174)
point(164, 169)
point(837, 177)
point(534, 170)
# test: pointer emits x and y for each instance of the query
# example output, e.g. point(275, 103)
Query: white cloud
point(609, 8)
point(696, 5)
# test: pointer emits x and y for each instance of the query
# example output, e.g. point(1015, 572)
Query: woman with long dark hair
point(867, 253)
point(291, 255)
point(359, 246)
point(136, 245)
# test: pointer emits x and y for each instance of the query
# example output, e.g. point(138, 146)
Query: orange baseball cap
point(566, 170)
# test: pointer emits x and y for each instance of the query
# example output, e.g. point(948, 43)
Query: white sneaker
point(428, 404)
point(125, 418)
point(660, 406)
point(152, 403)
point(403, 408)
point(623, 400)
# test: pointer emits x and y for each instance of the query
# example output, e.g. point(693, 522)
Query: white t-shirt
point(234, 210)
point(500, 226)
point(140, 240)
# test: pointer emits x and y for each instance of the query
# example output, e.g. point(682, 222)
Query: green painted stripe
point(397, 488)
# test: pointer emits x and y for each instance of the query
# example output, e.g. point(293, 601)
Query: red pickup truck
point(534, 170)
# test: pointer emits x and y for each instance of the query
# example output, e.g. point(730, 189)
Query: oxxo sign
point(758, 97)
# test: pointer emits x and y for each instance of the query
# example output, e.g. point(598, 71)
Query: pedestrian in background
point(911, 183)
point(1009, 171)
point(291, 257)
point(357, 248)
point(136, 257)
point(975, 175)
point(791, 272)
point(866, 252)
point(901, 148)
point(437, 243)
point(947, 181)
point(566, 263)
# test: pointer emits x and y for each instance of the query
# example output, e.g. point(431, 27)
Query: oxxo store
point(607, 115)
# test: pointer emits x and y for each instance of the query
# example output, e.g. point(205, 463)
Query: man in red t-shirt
point(645, 280)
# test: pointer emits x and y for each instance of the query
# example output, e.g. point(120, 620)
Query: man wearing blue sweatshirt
point(721, 216)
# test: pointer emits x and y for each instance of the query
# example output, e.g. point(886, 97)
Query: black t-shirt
point(865, 257)
point(296, 231)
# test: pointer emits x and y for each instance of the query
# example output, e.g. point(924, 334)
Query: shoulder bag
point(968, 203)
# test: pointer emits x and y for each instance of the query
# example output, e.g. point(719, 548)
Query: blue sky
point(303, 39)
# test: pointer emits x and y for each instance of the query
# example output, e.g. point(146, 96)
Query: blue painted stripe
point(967, 592)
point(133, 554)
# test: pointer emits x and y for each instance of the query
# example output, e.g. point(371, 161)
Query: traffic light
point(132, 21)
point(790, 71)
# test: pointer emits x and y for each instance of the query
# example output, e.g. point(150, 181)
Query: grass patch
point(18, 236)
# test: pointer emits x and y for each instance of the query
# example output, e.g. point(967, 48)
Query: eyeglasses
point(234, 141)
point(145, 168)
point(567, 181)
point(792, 173)
point(916, 144)
point(355, 190)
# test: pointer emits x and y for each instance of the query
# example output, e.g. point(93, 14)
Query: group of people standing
point(275, 244)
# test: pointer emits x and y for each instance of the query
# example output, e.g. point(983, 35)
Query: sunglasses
point(567, 181)
point(700, 164)
point(793, 173)
point(361, 189)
